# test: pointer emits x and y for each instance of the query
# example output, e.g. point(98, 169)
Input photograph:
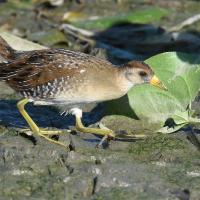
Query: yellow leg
point(33, 125)
point(98, 131)
point(80, 127)
point(125, 136)
point(106, 133)
point(103, 131)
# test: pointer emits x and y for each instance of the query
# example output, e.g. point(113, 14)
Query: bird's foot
point(97, 131)
point(111, 135)
point(34, 128)
point(123, 135)
point(44, 133)
point(53, 132)
point(102, 131)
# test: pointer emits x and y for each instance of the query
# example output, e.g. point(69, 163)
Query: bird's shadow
point(44, 116)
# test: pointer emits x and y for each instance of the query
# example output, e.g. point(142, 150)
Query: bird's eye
point(142, 73)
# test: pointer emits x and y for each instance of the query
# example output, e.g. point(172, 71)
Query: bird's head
point(136, 72)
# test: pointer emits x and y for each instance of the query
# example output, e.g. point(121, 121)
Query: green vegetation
point(180, 73)
point(140, 16)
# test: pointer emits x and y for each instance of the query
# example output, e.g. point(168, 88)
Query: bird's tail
point(6, 51)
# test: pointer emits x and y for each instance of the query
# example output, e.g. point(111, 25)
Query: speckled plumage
point(58, 76)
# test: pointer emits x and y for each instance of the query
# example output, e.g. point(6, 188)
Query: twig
point(185, 23)
point(79, 30)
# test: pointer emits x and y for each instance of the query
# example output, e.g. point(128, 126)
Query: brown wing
point(34, 68)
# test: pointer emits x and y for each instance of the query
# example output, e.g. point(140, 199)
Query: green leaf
point(179, 72)
point(166, 129)
point(139, 16)
point(120, 106)
point(181, 117)
point(181, 75)
point(153, 104)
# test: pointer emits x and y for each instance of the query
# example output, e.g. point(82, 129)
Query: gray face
point(138, 75)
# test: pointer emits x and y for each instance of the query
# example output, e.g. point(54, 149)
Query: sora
point(58, 76)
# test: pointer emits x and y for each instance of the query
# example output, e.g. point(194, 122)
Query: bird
point(69, 78)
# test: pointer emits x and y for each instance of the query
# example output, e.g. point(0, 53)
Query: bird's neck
point(123, 83)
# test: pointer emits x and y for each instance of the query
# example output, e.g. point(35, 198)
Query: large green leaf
point(153, 104)
point(179, 72)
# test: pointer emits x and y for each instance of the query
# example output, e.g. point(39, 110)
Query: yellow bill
point(156, 82)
